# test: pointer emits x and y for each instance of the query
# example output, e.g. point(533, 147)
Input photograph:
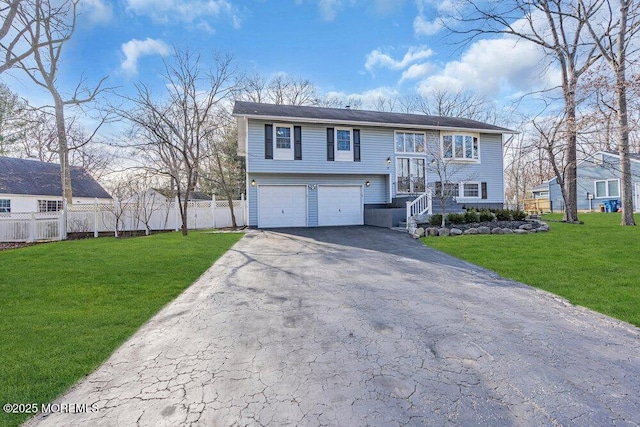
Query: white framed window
point(283, 141)
point(410, 175)
point(607, 188)
point(5, 205)
point(49, 205)
point(343, 144)
point(460, 146)
point(470, 190)
point(410, 142)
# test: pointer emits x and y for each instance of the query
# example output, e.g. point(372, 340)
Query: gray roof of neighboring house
point(31, 177)
point(346, 115)
point(632, 156)
point(541, 187)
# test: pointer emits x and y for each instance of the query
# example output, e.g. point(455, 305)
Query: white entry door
point(340, 205)
point(282, 206)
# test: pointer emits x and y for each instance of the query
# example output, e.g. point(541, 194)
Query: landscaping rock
point(520, 231)
point(471, 231)
point(443, 232)
point(507, 231)
point(496, 230)
point(431, 231)
point(420, 231)
point(525, 227)
point(484, 230)
point(543, 229)
point(456, 232)
point(415, 236)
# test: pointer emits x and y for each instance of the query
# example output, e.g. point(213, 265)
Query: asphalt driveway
point(362, 326)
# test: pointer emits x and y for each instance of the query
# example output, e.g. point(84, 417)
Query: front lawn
point(595, 265)
point(66, 306)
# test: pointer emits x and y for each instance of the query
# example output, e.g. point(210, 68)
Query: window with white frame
point(460, 146)
point(410, 175)
point(344, 145)
point(283, 137)
point(5, 205)
point(607, 188)
point(470, 190)
point(409, 142)
point(49, 205)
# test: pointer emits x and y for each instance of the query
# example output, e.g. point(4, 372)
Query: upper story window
point(409, 142)
point(460, 146)
point(5, 205)
point(283, 147)
point(344, 145)
point(607, 188)
point(49, 205)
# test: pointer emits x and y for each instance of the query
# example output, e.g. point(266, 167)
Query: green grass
point(66, 306)
point(594, 265)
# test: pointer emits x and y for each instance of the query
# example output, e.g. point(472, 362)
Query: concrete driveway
point(362, 326)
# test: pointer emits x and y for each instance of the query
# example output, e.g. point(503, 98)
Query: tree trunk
point(626, 189)
point(570, 174)
point(233, 215)
point(63, 151)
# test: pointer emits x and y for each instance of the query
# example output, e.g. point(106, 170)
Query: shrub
point(485, 215)
point(471, 216)
point(503, 215)
point(436, 219)
point(518, 215)
point(455, 218)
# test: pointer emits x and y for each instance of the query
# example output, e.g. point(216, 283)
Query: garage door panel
point(282, 206)
point(340, 205)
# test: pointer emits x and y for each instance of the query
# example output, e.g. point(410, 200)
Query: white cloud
point(134, 49)
point(368, 98)
point(489, 66)
point(185, 10)
point(329, 9)
point(442, 12)
point(96, 11)
point(416, 71)
point(377, 58)
point(424, 27)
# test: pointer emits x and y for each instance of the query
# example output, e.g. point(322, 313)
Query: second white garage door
point(282, 206)
point(340, 205)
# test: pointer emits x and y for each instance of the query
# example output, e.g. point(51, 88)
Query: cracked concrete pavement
point(362, 326)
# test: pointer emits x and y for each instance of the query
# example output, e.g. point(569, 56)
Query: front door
point(410, 175)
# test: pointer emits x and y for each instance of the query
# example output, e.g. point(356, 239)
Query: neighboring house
point(33, 186)
point(598, 181)
point(310, 166)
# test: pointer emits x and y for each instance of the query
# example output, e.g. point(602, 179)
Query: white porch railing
point(420, 206)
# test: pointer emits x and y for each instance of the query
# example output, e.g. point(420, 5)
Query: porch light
point(368, 183)
point(253, 182)
point(388, 160)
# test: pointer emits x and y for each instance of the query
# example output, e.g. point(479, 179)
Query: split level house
point(311, 166)
point(33, 186)
point(598, 182)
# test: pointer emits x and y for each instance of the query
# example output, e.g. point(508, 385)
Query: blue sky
point(345, 47)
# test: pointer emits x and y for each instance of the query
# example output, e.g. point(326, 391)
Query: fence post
point(243, 206)
point(177, 213)
point(214, 207)
point(32, 227)
point(95, 217)
point(65, 218)
point(116, 214)
point(61, 226)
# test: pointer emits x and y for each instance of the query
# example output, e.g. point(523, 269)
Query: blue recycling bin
point(615, 205)
point(607, 206)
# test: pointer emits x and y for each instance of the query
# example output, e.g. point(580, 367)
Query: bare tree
point(224, 171)
point(56, 23)
point(13, 120)
point(612, 35)
point(463, 103)
point(557, 27)
point(171, 135)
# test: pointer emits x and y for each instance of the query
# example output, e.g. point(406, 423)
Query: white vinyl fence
point(118, 217)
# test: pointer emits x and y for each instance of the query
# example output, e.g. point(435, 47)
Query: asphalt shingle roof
point(24, 176)
point(346, 115)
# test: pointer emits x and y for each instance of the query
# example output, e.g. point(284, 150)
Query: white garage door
point(340, 205)
point(282, 206)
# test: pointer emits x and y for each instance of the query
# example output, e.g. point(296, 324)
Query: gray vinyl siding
point(376, 145)
point(489, 169)
point(376, 193)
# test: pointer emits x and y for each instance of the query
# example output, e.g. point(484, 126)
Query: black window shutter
point(330, 153)
point(297, 143)
point(356, 145)
point(484, 189)
point(268, 141)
